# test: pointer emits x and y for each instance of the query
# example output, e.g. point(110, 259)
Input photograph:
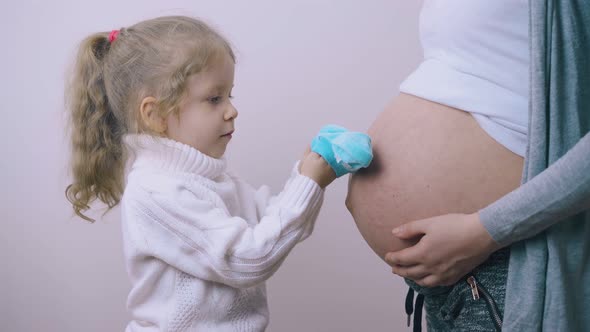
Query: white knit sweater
point(200, 243)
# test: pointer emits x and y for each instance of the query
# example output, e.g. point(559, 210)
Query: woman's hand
point(450, 247)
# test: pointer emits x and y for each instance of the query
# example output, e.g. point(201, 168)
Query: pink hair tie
point(113, 36)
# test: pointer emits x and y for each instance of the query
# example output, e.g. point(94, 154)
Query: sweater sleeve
point(562, 190)
point(263, 199)
point(203, 240)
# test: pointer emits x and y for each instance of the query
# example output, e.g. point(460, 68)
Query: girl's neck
point(168, 155)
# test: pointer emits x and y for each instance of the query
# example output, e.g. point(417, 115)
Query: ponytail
point(97, 149)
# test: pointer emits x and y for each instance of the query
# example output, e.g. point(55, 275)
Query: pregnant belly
point(429, 159)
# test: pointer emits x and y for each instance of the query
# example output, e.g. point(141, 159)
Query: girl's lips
point(228, 134)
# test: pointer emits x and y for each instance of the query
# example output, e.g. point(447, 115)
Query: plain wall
point(300, 65)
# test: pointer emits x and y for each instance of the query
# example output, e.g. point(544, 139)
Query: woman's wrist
point(487, 241)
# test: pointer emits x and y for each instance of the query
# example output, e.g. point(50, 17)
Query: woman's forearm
point(562, 190)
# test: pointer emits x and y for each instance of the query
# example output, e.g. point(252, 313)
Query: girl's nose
point(231, 113)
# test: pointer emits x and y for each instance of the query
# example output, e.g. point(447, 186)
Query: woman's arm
point(452, 245)
point(560, 191)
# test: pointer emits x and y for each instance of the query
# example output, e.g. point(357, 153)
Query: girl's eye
point(215, 100)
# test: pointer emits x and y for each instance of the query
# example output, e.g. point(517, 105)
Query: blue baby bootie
point(345, 151)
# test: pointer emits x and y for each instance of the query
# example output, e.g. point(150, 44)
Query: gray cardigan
point(547, 219)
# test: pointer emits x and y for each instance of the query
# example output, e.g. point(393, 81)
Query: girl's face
point(206, 117)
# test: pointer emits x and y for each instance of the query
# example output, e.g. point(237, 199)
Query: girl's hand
point(316, 168)
point(450, 247)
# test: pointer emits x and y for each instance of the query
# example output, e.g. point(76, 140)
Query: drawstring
point(410, 305)
point(415, 309)
point(418, 313)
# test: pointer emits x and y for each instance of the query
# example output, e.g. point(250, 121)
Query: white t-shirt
point(476, 58)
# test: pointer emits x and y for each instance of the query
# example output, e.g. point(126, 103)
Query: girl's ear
point(150, 116)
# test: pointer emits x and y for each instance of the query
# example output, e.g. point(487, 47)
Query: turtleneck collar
point(172, 156)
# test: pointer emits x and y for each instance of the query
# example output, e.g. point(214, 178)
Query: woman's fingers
point(411, 272)
point(429, 281)
point(411, 229)
point(406, 257)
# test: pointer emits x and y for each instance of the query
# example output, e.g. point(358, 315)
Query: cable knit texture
point(200, 243)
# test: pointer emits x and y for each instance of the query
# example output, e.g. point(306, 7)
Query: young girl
point(199, 243)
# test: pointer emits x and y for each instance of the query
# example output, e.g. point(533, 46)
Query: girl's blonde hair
point(152, 58)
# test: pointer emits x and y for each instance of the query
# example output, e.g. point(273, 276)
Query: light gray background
point(301, 64)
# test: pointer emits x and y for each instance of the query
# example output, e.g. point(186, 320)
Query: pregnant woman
point(453, 142)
